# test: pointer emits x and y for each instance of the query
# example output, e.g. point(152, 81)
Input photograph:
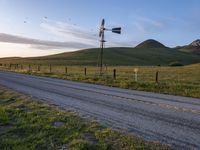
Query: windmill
point(102, 40)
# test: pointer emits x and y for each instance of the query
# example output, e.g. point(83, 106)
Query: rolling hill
point(113, 56)
point(151, 44)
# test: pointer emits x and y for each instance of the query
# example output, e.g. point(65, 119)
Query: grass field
point(184, 81)
point(27, 124)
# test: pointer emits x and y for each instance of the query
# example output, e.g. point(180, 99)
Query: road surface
point(169, 119)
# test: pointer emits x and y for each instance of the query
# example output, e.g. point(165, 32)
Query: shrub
point(175, 64)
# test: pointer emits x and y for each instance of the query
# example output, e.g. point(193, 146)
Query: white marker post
point(136, 74)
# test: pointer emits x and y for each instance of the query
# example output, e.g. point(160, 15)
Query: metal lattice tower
point(102, 41)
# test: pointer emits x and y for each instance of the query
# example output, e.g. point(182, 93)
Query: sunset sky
point(43, 27)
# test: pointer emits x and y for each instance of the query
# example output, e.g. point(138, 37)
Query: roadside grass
point(26, 123)
point(183, 81)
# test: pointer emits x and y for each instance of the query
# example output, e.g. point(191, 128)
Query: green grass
point(183, 81)
point(26, 123)
point(113, 57)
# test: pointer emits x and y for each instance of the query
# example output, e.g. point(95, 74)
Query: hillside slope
point(150, 44)
point(113, 56)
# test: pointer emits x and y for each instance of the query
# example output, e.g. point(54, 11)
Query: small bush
point(175, 64)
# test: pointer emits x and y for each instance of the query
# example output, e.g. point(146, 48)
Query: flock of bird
point(45, 18)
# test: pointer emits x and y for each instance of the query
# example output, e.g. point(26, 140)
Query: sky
point(44, 27)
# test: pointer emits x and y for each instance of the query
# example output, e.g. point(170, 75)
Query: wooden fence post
point(157, 76)
point(29, 68)
point(50, 68)
point(38, 68)
point(114, 74)
point(66, 70)
point(85, 71)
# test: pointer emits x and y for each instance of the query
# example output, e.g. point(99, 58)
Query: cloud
point(41, 44)
point(146, 25)
point(71, 32)
point(151, 22)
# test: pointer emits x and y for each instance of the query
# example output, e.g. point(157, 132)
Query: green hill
point(113, 56)
point(150, 44)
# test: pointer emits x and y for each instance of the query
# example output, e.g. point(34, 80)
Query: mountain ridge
point(193, 47)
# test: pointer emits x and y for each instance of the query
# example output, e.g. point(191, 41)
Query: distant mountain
point(150, 44)
point(194, 47)
point(196, 43)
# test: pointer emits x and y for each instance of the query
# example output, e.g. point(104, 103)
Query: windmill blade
point(117, 30)
point(100, 33)
point(103, 23)
point(102, 27)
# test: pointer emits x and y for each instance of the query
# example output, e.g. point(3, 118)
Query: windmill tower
point(102, 41)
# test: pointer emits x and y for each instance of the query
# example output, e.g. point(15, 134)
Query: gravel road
point(169, 119)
